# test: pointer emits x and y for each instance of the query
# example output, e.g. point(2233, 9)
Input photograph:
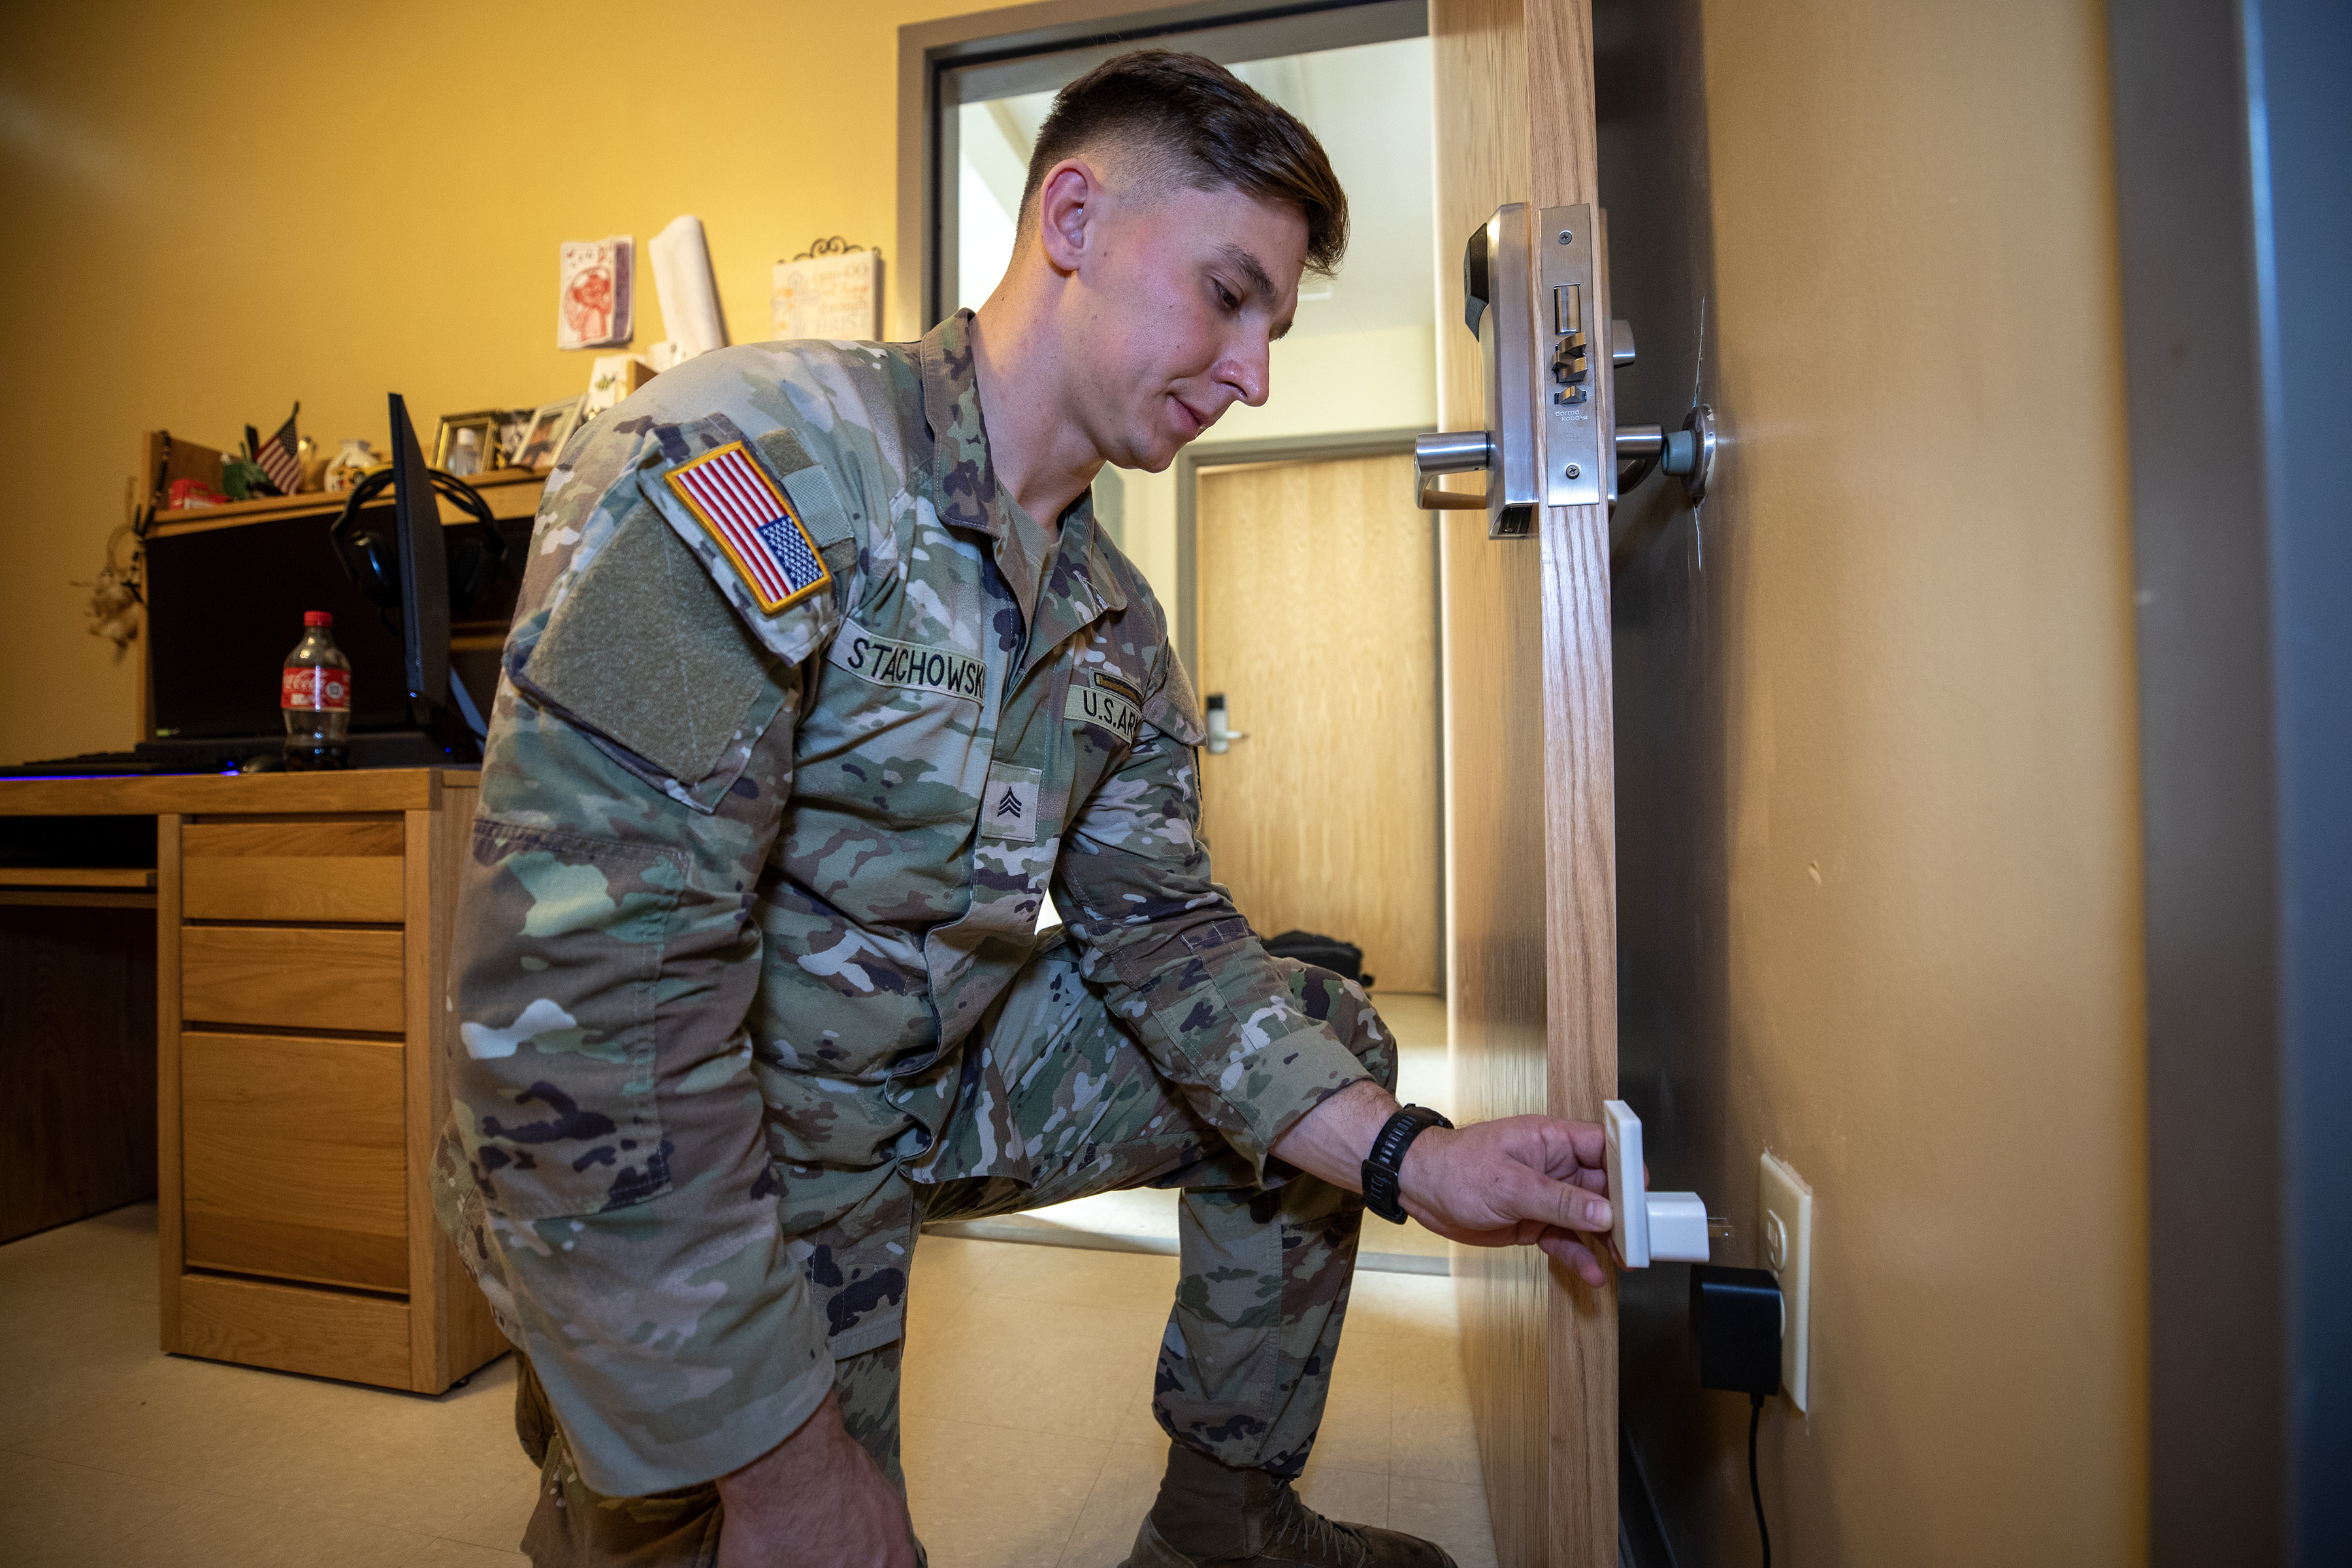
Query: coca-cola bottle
point(316, 696)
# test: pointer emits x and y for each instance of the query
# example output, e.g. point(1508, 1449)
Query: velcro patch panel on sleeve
point(888, 662)
point(1009, 809)
point(1110, 682)
point(1105, 708)
point(748, 517)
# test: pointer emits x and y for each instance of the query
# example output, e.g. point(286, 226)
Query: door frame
point(927, 50)
point(1339, 444)
point(2231, 173)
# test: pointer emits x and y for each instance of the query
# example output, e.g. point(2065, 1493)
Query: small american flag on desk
point(748, 514)
point(281, 458)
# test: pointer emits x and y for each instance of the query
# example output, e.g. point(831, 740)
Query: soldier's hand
point(817, 1500)
point(1520, 1182)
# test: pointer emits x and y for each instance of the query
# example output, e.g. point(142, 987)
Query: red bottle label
point(317, 687)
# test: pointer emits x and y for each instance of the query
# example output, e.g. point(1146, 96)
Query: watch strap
point(1382, 1167)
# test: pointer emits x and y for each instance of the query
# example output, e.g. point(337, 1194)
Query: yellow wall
point(216, 209)
point(1922, 599)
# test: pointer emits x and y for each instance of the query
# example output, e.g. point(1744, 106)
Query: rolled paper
point(688, 291)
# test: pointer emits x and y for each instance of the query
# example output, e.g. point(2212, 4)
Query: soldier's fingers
point(1532, 1195)
point(1574, 1146)
point(1576, 1255)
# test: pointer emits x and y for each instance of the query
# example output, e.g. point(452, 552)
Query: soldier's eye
point(1226, 297)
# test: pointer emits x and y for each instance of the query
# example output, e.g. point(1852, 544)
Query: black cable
point(1754, 1415)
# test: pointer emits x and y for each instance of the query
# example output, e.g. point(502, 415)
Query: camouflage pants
point(1246, 1359)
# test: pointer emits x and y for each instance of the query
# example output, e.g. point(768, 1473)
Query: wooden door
point(1317, 609)
point(1531, 805)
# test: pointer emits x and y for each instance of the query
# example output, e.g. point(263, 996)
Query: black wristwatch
point(1388, 1159)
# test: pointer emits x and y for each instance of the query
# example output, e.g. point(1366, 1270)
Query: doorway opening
point(1330, 820)
point(1307, 607)
point(1299, 575)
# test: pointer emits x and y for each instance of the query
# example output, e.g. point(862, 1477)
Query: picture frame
point(542, 438)
point(513, 423)
point(616, 377)
point(484, 423)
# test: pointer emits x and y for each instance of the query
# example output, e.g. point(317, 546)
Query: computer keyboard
point(97, 765)
point(130, 764)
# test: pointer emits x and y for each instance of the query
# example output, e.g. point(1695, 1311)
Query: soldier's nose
point(1247, 376)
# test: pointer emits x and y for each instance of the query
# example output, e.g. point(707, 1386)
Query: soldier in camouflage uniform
point(801, 716)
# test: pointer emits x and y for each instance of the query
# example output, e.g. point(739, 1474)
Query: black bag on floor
point(1344, 958)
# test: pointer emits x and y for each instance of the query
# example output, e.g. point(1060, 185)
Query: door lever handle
point(1688, 454)
point(1221, 736)
point(1450, 452)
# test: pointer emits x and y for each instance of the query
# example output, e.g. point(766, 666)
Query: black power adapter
point(1737, 1314)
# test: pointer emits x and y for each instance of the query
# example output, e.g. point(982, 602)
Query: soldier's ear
point(1069, 205)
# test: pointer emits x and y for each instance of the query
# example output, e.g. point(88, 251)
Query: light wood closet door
point(1531, 804)
point(1317, 621)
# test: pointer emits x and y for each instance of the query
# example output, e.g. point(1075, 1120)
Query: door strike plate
point(1569, 391)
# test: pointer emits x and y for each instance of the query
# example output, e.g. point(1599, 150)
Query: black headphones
point(373, 565)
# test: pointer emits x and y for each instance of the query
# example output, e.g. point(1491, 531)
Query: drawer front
point(292, 1157)
point(360, 1339)
point(290, 978)
point(309, 871)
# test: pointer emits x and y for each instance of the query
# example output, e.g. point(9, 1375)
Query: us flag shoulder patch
point(753, 521)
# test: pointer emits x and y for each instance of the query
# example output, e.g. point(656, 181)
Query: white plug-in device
point(1646, 1226)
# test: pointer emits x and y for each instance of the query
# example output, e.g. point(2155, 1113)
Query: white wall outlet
point(1784, 1223)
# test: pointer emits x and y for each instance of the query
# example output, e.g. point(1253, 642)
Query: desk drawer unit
point(303, 958)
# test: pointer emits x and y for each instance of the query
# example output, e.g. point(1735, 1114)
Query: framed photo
point(460, 455)
point(616, 377)
point(550, 425)
point(513, 425)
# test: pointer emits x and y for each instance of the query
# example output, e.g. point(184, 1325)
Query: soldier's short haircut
point(1193, 124)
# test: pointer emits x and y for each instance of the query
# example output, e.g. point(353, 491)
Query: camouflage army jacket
point(792, 737)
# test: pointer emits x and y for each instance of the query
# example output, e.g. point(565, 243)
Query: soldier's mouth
point(1189, 415)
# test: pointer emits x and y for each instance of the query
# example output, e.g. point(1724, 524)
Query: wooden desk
point(302, 930)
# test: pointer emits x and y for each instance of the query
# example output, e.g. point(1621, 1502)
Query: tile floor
point(1028, 1434)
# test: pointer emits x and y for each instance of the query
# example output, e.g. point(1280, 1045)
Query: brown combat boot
point(1208, 1514)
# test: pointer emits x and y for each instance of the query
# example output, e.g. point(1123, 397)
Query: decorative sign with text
point(830, 296)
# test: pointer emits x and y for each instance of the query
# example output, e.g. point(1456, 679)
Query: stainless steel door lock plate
point(1531, 306)
point(1570, 401)
point(1533, 289)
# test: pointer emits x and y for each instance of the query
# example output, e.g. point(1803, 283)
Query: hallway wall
point(1878, 821)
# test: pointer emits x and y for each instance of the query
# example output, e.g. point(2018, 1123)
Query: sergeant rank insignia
point(747, 513)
